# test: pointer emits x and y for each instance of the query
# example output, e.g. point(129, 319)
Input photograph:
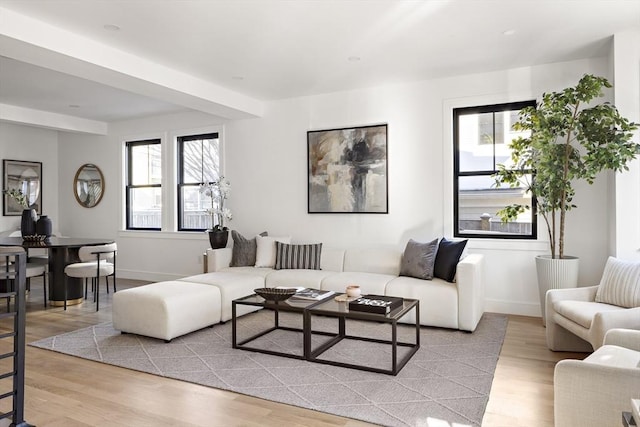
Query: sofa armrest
point(592, 394)
point(471, 291)
point(568, 294)
point(218, 259)
point(627, 338)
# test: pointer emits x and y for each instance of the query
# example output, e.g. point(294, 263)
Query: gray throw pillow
point(244, 250)
point(418, 259)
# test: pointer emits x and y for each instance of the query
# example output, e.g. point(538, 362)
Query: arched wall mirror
point(88, 185)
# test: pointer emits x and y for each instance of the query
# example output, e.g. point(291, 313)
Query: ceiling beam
point(49, 120)
point(28, 40)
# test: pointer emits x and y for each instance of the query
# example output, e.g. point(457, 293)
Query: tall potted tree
point(570, 140)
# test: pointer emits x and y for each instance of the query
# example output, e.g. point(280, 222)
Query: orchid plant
point(17, 195)
point(218, 191)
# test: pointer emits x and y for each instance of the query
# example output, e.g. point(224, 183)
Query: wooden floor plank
point(67, 391)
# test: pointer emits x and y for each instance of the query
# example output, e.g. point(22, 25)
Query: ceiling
point(170, 55)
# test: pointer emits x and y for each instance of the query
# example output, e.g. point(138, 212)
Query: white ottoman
point(166, 310)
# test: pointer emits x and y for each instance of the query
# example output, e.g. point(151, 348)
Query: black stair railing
point(13, 261)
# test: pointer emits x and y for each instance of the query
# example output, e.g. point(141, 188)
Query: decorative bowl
point(275, 294)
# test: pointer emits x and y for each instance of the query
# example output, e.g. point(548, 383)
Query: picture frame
point(25, 176)
point(347, 170)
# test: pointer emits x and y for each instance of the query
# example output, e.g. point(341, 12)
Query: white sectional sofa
point(458, 305)
point(166, 310)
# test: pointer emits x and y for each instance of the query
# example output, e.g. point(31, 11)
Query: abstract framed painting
point(347, 170)
point(26, 177)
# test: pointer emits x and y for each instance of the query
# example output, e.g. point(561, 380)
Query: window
point(198, 163)
point(144, 185)
point(481, 141)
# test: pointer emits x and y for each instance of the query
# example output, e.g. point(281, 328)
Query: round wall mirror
point(88, 185)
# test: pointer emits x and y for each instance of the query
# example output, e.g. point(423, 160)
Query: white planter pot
point(555, 273)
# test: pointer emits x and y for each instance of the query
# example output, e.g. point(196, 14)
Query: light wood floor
point(67, 391)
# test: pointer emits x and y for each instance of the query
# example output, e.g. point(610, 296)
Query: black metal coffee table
point(276, 307)
point(331, 308)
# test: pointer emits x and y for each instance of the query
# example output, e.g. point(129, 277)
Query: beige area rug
point(448, 379)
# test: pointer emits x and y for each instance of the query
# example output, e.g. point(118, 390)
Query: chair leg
point(65, 293)
point(85, 288)
point(98, 292)
point(106, 279)
point(114, 282)
point(44, 287)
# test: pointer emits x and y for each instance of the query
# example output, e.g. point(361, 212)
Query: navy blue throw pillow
point(447, 258)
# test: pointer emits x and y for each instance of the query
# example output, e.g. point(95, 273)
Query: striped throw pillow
point(298, 256)
point(620, 284)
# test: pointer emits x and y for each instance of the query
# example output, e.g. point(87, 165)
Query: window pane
point(194, 211)
point(475, 142)
point(145, 208)
point(201, 160)
point(145, 164)
point(479, 200)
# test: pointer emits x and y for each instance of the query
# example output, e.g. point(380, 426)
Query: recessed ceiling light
point(353, 59)
point(237, 78)
point(508, 32)
point(74, 106)
point(111, 27)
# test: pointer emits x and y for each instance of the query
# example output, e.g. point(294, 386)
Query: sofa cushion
point(447, 258)
point(244, 250)
point(252, 271)
point(232, 286)
point(294, 278)
point(613, 355)
point(418, 259)
point(298, 256)
point(438, 300)
point(620, 283)
point(370, 283)
point(266, 250)
point(582, 312)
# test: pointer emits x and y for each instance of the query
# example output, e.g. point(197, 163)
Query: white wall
point(266, 164)
point(626, 65)
point(37, 145)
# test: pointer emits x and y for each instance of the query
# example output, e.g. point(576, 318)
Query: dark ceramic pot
point(218, 239)
point(28, 223)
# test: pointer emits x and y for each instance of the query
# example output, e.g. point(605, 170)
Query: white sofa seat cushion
point(166, 310)
point(232, 286)
point(613, 355)
point(88, 269)
point(582, 312)
point(297, 277)
point(438, 300)
point(370, 283)
point(254, 271)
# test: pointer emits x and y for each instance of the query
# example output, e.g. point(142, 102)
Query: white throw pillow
point(266, 250)
point(620, 284)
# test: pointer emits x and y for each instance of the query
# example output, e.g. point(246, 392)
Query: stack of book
point(310, 294)
point(378, 304)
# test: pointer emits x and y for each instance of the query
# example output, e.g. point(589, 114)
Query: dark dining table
point(62, 251)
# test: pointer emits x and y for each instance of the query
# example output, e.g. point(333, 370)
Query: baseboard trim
point(512, 307)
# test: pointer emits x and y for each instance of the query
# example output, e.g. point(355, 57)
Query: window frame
point(180, 172)
point(457, 174)
point(129, 179)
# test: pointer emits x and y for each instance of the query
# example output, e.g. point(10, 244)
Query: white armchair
point(595, 391)
point(577, 319)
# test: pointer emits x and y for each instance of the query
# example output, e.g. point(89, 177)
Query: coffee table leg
point(394, 347)
point(233, 325)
